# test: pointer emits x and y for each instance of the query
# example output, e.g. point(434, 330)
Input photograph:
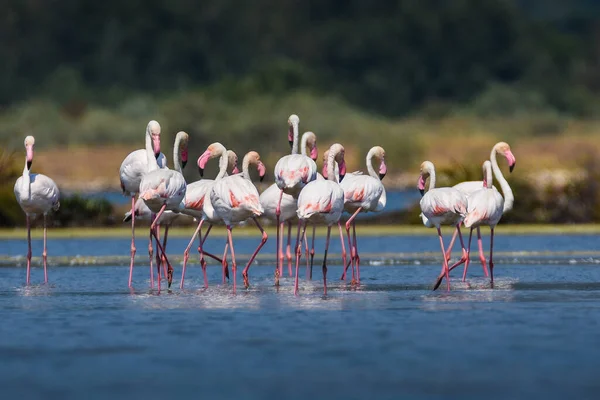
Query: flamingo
point(235, 199)
point(36, 194)
point(292, 173)
point(322, 201)
point(270, 196)
point(197, 204)
point(161, 190)
point(363, 193)
point(469, 187)
point(441, 206)
point(486, 207)
point(133, 167)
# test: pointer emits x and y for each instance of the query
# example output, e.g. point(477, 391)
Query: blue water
point(85, 335)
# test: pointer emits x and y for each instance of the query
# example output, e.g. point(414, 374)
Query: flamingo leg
point(464, 256)
point(45, 252)
point(445, 265)
point(262, 243)
point(280, 244)
point(278, 266)
point(481, 254)
point(468, 255)
point(307, 253)
point(186, 253)
point(357, 257)
point(132, 240)
point(298, 253)
point(206, 253)
point(162, 260)
point(158, 255)
point(312, 249)
point(224, 262)
point(451, 245)
point(491, 261)
point(343, 278)
point(27, 280)
point(325, 261)
point(288, 252)
point(233, 264)
point(298, 242)
point(161, 249)
point(151, 252)
point(350, 245)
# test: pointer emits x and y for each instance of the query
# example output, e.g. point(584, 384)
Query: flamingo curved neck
point(152, 164)
point(370, 165)
point(488, 176)
point(295, 142)
point(331, 166)
point(246, 167)
point(223, 162)
point(506, 190)
point(25, 188)
point(303, 142)
point(177, 154)
point(431, 179)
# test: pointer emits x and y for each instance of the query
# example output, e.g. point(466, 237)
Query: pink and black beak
point(156, 145)
point(184, 158)
point(382, 169)
point(512, 161)
point(291, 136)
point(29, 156)
point(235, 170)
point(314, 153)
point(342, 167)
point(262, 171)
point(202, 160)
point(421, 185)
point(324, 173)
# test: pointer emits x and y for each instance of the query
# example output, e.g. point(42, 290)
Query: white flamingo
point(363, 193)
point(486, 207)
point(441, 206)
point(292, 173)
point(36, 194)
point(235, 199)
point(197, 204)
point(322, 201)
point(270, 197)
point(469, 187)
point(161, 190)
point(133, 167)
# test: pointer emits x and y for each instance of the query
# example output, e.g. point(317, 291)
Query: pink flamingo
point(441, 206)
point(133, 167)
point(235, 199)
point(270, 197)
point(363, 193)
point(292, 173)
point(36, 194)
point(469, 187)
point(197, 204)
point(161, 190)
point(322, 201)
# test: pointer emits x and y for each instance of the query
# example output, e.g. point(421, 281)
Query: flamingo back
point(162, 186)
point(235, 199)
point(444, 206)
point(293, 172)
point(322, 201)
point(362, 191)
point(40, 197)
point(195, 197)
point(485, 208)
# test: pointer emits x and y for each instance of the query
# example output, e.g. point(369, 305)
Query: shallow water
point(86, 334)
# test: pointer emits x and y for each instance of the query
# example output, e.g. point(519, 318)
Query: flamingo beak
point(262, 171)
point(421, 185)
point(184, 158)
point(314, 153)
point(382, 170)
point(512, 161)
point(235, 170)
point(324, 173)
point(291, 137)
point(29, 155)
point(156, 145)
point(202, 161)
point(342, 166)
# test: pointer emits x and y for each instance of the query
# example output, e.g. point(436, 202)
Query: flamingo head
point(212, 151)
point(183, 147)
point(487, 172)
point(338, 153)
point(504, 149)
point(311, 141)
point(153, 129)
point(262, 170)
point(426, 168)
point(380, 153)
point(232, 160)
point(254, 158)
point(29, 145)
point(293, 122)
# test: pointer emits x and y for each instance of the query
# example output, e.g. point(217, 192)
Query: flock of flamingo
point(299, 193)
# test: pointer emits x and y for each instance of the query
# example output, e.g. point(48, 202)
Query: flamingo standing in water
point(161, 190)
point(441, 206)
point(292, 173)
point(322, 201)
point(197, 204)
point(132, 168)
point(469, 187)
point(289, 204)
point(36, 194)
point(363, 193)
point(235, 199)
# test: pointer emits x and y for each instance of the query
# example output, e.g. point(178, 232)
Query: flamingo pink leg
point(312, 249)
point(445, 265)
point(464, 259)
point(161, 249)
point(464, 256)
point(481, 254)
point(307, 254)
point(288, 252)
point(451, 245)
point(468, 256)
point(491, 261)
point(186, 253)
point(224, 263)
point(278, 266)
point(357, 257)
point(151, 253)
point(28, 249)
point(343, 278)
point(158, 255)
point(132, 239)
point(45, 253)
point(262, 243)
point(206, 253)
point(353, 253)
point(298, 242)
point(280, 244)
point(162, 260)
point(325, 261)
point(298, 253)
point(233, 264)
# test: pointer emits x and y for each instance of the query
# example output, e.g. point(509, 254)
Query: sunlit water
point(85, 335)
